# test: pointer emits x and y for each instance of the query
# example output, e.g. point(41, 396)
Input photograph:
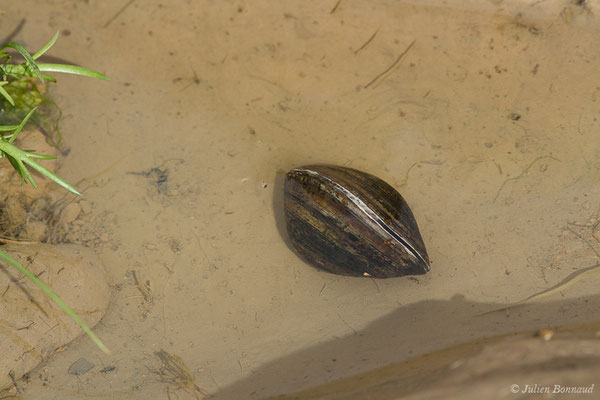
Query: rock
point(80, 367)
point(35, 231)
point(16, 212)
point(85, 206)
point(75, 274)
point(40, 208)
point(70, 213)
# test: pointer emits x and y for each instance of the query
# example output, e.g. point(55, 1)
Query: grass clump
point(20, 98)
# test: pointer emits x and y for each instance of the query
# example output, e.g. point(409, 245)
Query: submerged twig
point(527, 168)
point(568, 281)
point(408, 172)
point(361, 48)
point(388, 69)
point(335, 7)
point(7, 240)
point(110, 21)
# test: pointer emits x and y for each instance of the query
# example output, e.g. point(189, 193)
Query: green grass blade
point(6, 258)
point(40, 156)
point(8, 128)
point(21, 125)
point(50, 175)
point(20, 157)
point(49, 78)
point(5, 94)
point(19, 167)
point(46, 47)
point(25, 174)
point(72, 69)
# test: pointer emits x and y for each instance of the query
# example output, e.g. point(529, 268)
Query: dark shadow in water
point(407, 332)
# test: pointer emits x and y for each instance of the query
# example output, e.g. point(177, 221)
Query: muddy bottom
point(484, 117)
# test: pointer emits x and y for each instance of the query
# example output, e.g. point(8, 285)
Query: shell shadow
point(408, 332)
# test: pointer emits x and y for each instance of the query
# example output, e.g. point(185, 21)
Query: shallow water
point(487, 125)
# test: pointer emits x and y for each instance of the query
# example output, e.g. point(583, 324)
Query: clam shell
point(349, 222)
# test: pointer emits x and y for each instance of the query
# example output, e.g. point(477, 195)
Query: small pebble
point(70, 213)
point(80, 367)
point(36, 231)
point(15, 211)
point(85, 206)
point(545, 334)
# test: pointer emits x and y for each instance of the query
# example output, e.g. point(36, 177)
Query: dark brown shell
point(349, 222)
